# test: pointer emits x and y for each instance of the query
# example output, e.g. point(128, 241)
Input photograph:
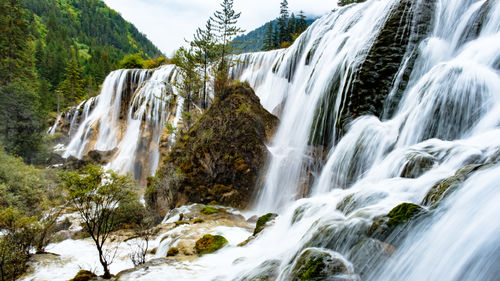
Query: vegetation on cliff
point(220, 157)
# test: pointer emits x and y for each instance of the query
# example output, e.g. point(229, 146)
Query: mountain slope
point(253, 40)
point(87, 31)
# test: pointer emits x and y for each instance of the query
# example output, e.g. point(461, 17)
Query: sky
point(168, 23)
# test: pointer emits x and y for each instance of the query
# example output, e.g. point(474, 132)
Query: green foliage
point(130, 213)
point(72, 87)
point(24, 187)
point(16, 242)
point(96, 195)
point(209, 244)
point(132, 61)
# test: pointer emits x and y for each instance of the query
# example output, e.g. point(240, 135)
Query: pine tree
point(284, 33)
point(269, 43)
point(189, 84)
point(292, 26)
point(20, 122)
point(205, 53)
point(225, 24)
point(16, 61)
point(73, 85)
point(301, 24)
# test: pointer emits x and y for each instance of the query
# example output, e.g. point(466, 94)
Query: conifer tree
point(301, 24)
point(20, 122)
point(225, 22)
point(269, 43)
point(205, 53)
point(284, 33)
point(73, 85)
point(292, 26)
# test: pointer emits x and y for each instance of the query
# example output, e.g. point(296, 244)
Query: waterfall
point(380, 103)
point(126, 120)
point(441, 108)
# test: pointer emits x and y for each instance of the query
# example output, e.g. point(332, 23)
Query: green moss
point(209, 244)
point(173, 251)
point(314, 264)
point(84, 275)
point(198, 220)
point(403, 213)
point(444, 188)
point(262, 221)
point(208, 210)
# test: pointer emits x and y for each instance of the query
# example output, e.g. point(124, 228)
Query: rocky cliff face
point(219, 158)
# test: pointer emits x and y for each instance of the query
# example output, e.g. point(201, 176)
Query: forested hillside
point(253, 41)
point(53, 54)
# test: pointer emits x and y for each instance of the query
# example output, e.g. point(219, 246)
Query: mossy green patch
point(209, 210)
point(209, 244)
point(403, 213)
point(262, 221)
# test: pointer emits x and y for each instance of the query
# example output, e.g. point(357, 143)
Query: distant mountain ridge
point(253, 40)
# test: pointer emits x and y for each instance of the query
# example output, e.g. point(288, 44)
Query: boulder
point(219, 158)
point(263, 221)
point(444, 188)
point(318, 264)
point(209, 244)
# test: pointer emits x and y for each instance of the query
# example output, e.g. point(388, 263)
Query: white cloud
point(168, 22)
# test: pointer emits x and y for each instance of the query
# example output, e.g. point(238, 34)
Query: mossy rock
point(369, 253)
point(316, 264)
point(262, 222)
point(403, 213)
point(209, 244)
point(444, 188)
point(84, 275)
point(417, 164)
point(209, 210)
point(399, 217)
point(172, 251)
point(219, 158)
point(266, 271)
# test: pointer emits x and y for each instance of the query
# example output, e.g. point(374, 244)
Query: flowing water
point(127, 119)
point(448, 113)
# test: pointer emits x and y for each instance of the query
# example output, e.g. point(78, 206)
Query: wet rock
point(417, 164)
point(356, 201)
point(406, 26)
point(173, 251)
point(84, 275)
point(263, 221)
point(209, 244)
point(444, 188)
point(219, 158)
point(266, 271)
point(398, 218)
point(317, 264)
point(368, 253)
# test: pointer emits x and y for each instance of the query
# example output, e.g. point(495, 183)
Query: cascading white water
point(448, 114)
point(295, 81)
point(131, 124)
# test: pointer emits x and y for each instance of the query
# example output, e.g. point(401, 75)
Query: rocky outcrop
point(444, 188)
point(398, 40)
point(219, 158)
